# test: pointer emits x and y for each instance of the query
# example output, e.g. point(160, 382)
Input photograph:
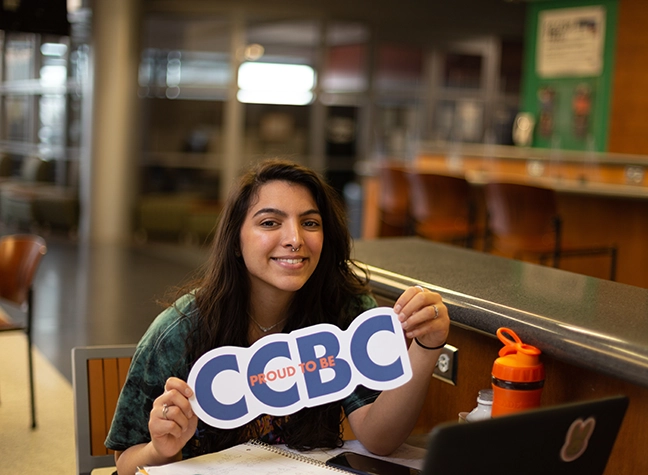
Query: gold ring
point(165, 410)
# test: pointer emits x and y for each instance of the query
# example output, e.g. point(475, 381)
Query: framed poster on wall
point(570, 42)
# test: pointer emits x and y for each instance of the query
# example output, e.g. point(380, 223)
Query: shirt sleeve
point(358, 398)
point(158, 356)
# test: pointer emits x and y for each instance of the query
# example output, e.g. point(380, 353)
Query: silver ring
point(436, 312)
point(165, 410)
point(295, 249)
point(419, 287)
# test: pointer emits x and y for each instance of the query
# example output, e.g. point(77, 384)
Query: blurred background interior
point(125, 122)
point(511, 127)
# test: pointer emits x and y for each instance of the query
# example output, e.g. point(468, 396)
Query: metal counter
point(593, 323)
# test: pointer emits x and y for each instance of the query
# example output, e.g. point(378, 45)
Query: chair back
point(523, 221)
point(20, 255)
point(98, 374)
point(393, 201)
point(519, 213)
point(442, 206)
point(5, 165)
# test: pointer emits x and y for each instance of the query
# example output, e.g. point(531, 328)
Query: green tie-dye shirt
point(160, 355)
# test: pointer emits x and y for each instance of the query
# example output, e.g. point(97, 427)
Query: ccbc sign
point(282, 373)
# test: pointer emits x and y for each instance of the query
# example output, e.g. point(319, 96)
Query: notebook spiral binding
point(293, 455)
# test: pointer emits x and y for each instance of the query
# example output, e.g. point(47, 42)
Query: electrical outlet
point(446, 367)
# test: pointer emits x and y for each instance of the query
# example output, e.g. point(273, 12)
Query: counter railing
point(588, 322)
point(593, 333)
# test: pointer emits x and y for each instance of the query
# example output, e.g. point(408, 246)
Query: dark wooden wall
point(628, 118)
point(564, 383)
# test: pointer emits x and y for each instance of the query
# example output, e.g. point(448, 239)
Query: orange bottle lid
point(518, 361)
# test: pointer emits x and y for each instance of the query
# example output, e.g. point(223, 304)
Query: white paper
point(251, 459)
point(570, 42)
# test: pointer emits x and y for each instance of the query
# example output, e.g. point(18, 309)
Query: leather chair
point(393, 202)
point(523, 223)
point(20, 255)
point(442, 208)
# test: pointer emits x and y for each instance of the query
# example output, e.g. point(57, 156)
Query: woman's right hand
point(172, 422)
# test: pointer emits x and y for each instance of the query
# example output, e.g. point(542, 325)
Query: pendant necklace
point(267, 329)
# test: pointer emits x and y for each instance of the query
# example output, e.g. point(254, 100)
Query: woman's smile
point(288, 260)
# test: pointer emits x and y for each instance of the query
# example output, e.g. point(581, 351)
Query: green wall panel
point(571, 112)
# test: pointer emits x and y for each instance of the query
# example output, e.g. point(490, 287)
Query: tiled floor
point(102, 295)
point(50, 448)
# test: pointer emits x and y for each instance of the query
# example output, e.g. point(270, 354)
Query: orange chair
point(98, 374)
point(442, 208)
point(20, 255)
point(523, 222)
point(393, 202)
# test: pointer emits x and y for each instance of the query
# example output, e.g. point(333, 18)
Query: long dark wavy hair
point(223, 299)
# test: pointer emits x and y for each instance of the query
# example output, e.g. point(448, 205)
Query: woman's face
point(284, 217)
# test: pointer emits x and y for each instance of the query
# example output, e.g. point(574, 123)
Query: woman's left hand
point(423, 315)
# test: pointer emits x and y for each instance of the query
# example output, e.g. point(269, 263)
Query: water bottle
point(484, 406)
point(517, 377)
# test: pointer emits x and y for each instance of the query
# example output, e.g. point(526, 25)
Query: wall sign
point(570, 42)
point(282, 373)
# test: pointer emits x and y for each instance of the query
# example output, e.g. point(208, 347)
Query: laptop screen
point(570, 439)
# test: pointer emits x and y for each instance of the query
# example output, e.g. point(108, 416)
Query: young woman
point(280, 261)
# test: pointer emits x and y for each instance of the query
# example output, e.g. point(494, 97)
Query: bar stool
point(393, 202)
point(442, 208)
point(523, 222)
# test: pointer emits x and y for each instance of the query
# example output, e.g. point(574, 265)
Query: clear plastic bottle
point(483, 409)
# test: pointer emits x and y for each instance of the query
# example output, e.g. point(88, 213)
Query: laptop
point(570, 439)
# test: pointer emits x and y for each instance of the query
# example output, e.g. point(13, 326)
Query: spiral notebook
point(251, 458)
